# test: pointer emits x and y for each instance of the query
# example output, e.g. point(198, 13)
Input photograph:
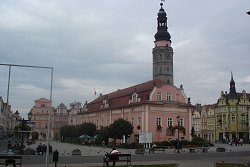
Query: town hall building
point(152, 106)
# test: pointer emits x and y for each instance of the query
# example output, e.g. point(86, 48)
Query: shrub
point(132, 146)
point(199, 141)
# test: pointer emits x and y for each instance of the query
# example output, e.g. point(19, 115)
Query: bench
point(117, 158)
point(198, 149)
point(204, 149)
point(140, 151)
point(157, 148)
point(10, 160)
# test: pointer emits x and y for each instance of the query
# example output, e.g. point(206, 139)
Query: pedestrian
point(241, 141)
point(50, 149)
point(236, 142)
point(113, 156)
point(177, 145)
point(9, 147)
point(231, 143)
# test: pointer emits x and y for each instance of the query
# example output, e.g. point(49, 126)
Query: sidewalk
point(65, 150)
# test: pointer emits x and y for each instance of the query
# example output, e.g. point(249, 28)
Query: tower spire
point(162, 29)
point(163, 52)
point(232, 86)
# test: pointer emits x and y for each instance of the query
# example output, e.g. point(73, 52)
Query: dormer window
point(169, 96)
point(158, 96)
point(134, 97)
point(105, 103)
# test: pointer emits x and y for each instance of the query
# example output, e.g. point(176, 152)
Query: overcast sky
point(107, 45)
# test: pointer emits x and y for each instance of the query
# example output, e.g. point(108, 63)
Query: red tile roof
point(121, 97)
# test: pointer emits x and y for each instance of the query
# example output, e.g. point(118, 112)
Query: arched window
point(233, 117)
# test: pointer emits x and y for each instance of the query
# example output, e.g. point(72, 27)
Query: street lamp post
point(178, 140)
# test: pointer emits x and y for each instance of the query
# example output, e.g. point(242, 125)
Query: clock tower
point(163, 52)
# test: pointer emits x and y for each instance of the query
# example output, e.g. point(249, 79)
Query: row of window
point(158, 122)
point(233, 117)
point(169, 96)
point(225, 109)
point(170, 122)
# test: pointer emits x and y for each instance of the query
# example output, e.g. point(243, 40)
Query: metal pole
point(8, 90)
point(178, 137)
point(49, 121)
point(178, 148)
point(51, 68)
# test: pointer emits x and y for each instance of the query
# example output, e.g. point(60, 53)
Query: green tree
point(69, 131)
point(22, 127)
point(87, 128)
point(192, 132)
point(103, 135)
point(199, 141)
point(119, 128)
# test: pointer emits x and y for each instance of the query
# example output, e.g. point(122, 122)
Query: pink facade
point(145, 105)
point(40, 116)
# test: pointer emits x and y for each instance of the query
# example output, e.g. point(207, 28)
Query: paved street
point(92, 156)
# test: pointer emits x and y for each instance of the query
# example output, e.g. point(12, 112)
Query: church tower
point(163, 52)
point(232, 91)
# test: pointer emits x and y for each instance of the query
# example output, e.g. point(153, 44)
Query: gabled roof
point(121, 97)
point(236, 96)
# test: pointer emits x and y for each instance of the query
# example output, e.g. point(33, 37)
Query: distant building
point(232, 114)
point(61, 118)
point(74, 109)
point(207, 123)
point(196, 120)
point(39, 116)
point(8, 120)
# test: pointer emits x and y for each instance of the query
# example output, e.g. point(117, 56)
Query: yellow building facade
point(232, 115)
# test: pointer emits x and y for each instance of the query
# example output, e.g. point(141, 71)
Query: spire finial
point(162, 3)
point(232, 75)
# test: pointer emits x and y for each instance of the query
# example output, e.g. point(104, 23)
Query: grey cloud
point(108, 45)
